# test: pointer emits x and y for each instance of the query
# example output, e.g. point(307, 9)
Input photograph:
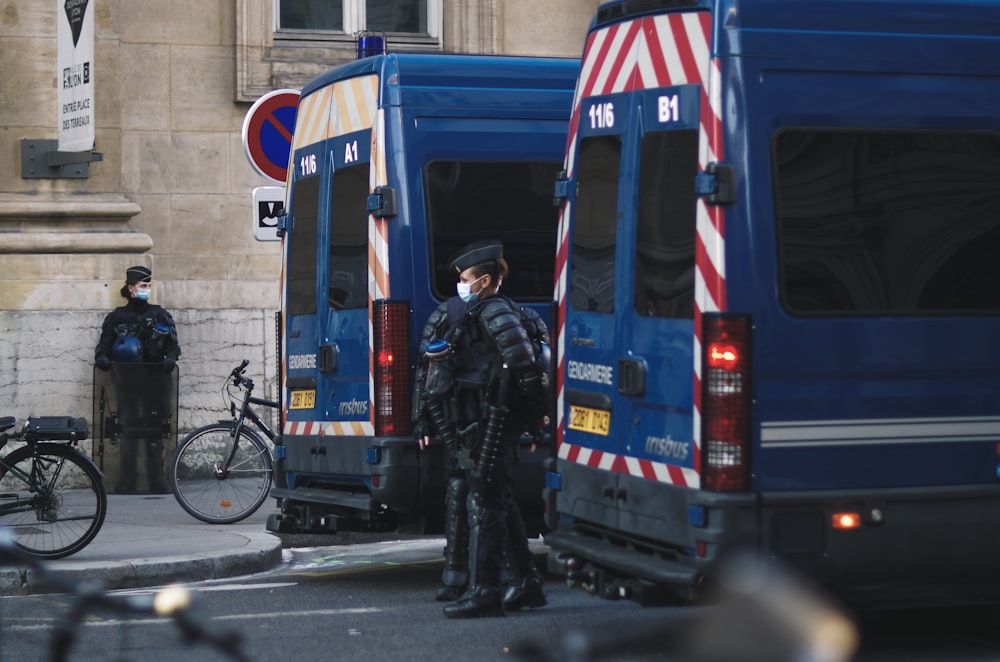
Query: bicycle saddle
point(7, 422)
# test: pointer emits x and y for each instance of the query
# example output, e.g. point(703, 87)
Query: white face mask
point(142, 295)
point(464, 291)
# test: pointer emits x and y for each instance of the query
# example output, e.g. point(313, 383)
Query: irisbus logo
point(668, 448)
point(353, 408)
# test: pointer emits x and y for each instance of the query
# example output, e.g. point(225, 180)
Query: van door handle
point(328, 358)
point(632, 376)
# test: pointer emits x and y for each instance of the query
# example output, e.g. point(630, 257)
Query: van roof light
point(371, 43)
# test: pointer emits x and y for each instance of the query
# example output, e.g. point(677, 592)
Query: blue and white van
point(778, 297)
point(398, 161)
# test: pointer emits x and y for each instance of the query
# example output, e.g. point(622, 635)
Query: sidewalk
point(148, 540)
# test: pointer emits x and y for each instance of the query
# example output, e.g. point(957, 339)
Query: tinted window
point(347, 281)
point(888, 222)
point(380, 15)
point(469, 201)
point(664, 254)
point(311, 14)
point(592, 261)
point(302, 248)
point(396, 15)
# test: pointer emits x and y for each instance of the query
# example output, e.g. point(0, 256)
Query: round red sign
point(267, 133)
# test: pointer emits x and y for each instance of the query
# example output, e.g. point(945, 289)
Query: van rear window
point(665, 224)
point(347, 277)
point(470, 201)
point(302, 249)
point(595, 224)
point(888, 222)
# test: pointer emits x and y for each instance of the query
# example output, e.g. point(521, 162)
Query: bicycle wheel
point(62, 508)
point(211, 491)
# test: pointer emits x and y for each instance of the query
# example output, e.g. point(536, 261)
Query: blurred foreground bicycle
point(174, 601)
point(221, 473)
point(52, 496)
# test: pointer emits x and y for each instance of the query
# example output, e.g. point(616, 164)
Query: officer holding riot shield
point(476, 392)
point(139, 344)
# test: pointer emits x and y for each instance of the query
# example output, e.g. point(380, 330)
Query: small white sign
point(268, 205)
point(75, 75)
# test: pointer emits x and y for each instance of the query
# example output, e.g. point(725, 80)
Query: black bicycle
point(52, 496)
point(221, 473)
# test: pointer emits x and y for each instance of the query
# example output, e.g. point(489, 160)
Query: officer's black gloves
point(420, 429)
point(168, 365)
point(103, 363)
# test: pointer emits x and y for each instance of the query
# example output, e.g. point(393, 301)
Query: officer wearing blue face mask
point(478, 367)
point(152, 325)
point(139, 332)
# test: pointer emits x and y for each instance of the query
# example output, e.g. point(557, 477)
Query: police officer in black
point(478, 390)
point(139, 331)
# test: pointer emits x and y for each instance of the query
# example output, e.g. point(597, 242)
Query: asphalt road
point(374, 600)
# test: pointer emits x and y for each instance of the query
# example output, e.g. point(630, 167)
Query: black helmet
point(126, 349)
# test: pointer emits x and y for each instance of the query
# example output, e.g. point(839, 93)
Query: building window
point(350, 16)
point(287, 43)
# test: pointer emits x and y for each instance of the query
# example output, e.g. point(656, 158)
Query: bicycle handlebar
point(237, 375)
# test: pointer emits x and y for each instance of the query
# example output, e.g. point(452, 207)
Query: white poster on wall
point(75, 76)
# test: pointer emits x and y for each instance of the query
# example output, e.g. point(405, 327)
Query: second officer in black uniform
point(480, 389)
point(139, 332)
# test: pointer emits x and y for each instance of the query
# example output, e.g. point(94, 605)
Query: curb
point(262, 552)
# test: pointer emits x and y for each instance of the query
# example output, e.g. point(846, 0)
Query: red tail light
point(725, 383)
point(391, 326)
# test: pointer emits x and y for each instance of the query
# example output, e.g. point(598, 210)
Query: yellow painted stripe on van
point(312, 118)
point(354, 105)
point(335, 110)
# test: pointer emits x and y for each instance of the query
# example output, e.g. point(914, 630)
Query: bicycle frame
point(246, 412)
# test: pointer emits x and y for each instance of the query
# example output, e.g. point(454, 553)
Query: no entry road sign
point(267, 133)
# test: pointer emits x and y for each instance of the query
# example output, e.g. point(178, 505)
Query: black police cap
point(479, 252)
point(138, 274)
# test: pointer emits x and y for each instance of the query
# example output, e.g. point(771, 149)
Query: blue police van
point(399, 160)
point(778, 315)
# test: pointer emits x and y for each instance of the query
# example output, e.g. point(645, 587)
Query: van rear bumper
point(358, 473)
point(920, 543)
point(932, 545)
point(348, 481)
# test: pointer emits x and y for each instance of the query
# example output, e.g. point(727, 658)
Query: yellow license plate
point(303, 400)
point(594, 421)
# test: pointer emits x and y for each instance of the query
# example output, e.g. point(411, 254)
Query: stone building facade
point(173, 82)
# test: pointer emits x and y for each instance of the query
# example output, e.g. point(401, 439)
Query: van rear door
point(628, 364)
point(327, 326)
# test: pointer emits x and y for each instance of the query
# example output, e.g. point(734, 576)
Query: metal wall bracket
point(41, 159)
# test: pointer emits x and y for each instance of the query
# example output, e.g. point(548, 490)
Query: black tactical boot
point(480, 601)
point(528, 593)
point(455, 576)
